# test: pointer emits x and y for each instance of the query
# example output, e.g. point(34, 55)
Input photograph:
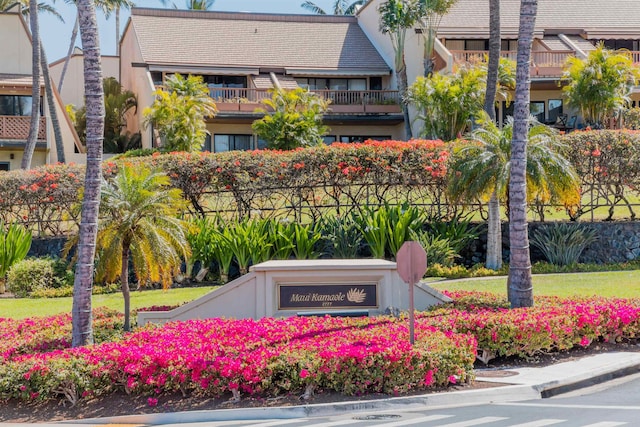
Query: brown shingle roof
point(254, 40)
point(598, 18)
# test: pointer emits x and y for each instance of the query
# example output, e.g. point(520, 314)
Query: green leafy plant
point(342, 237)
point(200, 239)
point(439, 250)
point(460, 232)
point(15, 242)
point(29, 275)
point(563, 243)
point(305, 240)
point(281, 236)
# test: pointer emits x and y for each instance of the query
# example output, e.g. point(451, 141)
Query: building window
point(333, 84)
point(537, 110)
point(231, 142)
point(329, 139)
point(17, 105)
point(362, 138)
point(375, 83)
point(555, 109)
point(4, 166)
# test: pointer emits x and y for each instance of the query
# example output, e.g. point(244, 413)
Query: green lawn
point(26, 307)
point(623, 284)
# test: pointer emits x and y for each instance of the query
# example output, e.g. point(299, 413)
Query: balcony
point(543, 63)
point(342, 101)
point(17, 128)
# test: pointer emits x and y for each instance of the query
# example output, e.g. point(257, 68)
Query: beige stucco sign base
point(363, 286)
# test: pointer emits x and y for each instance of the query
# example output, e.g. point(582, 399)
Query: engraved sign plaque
point(297, 296)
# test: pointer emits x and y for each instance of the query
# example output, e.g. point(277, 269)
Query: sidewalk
point(518, 384)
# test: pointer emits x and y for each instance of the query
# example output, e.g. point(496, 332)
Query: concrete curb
point(528, 384)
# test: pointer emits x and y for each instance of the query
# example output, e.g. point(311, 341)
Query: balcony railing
point(337, 97)
point(548, 63)
point(17, 127)
point(635, 55)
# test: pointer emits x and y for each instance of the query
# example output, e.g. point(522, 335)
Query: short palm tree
point(139, 218)
point(340, 7)
point(482, 170)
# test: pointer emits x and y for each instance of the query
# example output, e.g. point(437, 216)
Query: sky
point(56, 35)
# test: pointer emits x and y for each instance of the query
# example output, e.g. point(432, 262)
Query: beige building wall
point(73, 86)
point(138, 80)
point(368, 19)
point(15, 45)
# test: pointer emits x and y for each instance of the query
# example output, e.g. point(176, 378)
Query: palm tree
point(140, 219)
point(193, 4)
point(600, 85)
point(81, 311)
point(396, 17)
point(520, 290)
point(481, 169)
point(30, 146)
point(340, 7)
point(494, 58)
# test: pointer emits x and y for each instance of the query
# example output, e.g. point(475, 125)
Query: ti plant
point(15, 242)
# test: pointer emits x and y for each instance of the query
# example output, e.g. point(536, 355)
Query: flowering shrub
point(608, 164)
point(44, 334)
point(268, 357)
point(554, 324)
point(42, 199)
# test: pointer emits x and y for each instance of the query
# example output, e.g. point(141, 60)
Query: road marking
point(279, 422)
point(539, 423)
point(607, 424)
point(558, 405)
point(336, 423)
point(470, 423)
point(410, 421)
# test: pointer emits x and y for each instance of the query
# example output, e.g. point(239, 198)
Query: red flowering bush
point(608, 164)
point(42, 199)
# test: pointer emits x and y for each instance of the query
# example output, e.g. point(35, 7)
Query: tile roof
point(270, 41)
point(597, 18)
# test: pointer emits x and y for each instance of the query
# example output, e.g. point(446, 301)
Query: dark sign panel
point(327, 296)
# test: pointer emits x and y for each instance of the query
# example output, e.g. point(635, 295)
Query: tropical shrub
point(67, 291)
point(292, 119)
point(458, 231)
point(439, 250)
point(178, 113)
point(30, 275)
point(15, 242)
point(631, 118)
point(341, 235)
point(563, 243)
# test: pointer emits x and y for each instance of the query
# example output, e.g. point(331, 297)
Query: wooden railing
point(635, 55)
point(17, 127)
point(337, 97)
point(550, 58)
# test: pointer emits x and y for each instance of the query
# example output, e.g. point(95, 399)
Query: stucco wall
point(15, 48)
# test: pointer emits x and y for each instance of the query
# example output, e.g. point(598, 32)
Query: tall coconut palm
point(396, 17)
point(81, 311)
point(340, 7)
point(140, 219)
point(193, 4)
point(494, 58)
point(481, 169)
point(30, 146)
point(520, 290)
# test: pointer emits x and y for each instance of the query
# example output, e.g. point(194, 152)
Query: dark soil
point(122, 404)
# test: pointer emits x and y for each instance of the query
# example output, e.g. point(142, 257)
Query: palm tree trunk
point(402, 87)
point(520, 289)
point(30, 146)
point(72, 43)
point(117, 30)
point(124, 281)
point(53, 113)
point(494, 234)
point(82, 320)
point(494, 58)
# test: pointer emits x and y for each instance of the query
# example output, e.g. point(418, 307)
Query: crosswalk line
point(607, 424)
point(539, 423)
point(278, 423)
point(474, 422)
point(410, 421)
point(336, 423)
